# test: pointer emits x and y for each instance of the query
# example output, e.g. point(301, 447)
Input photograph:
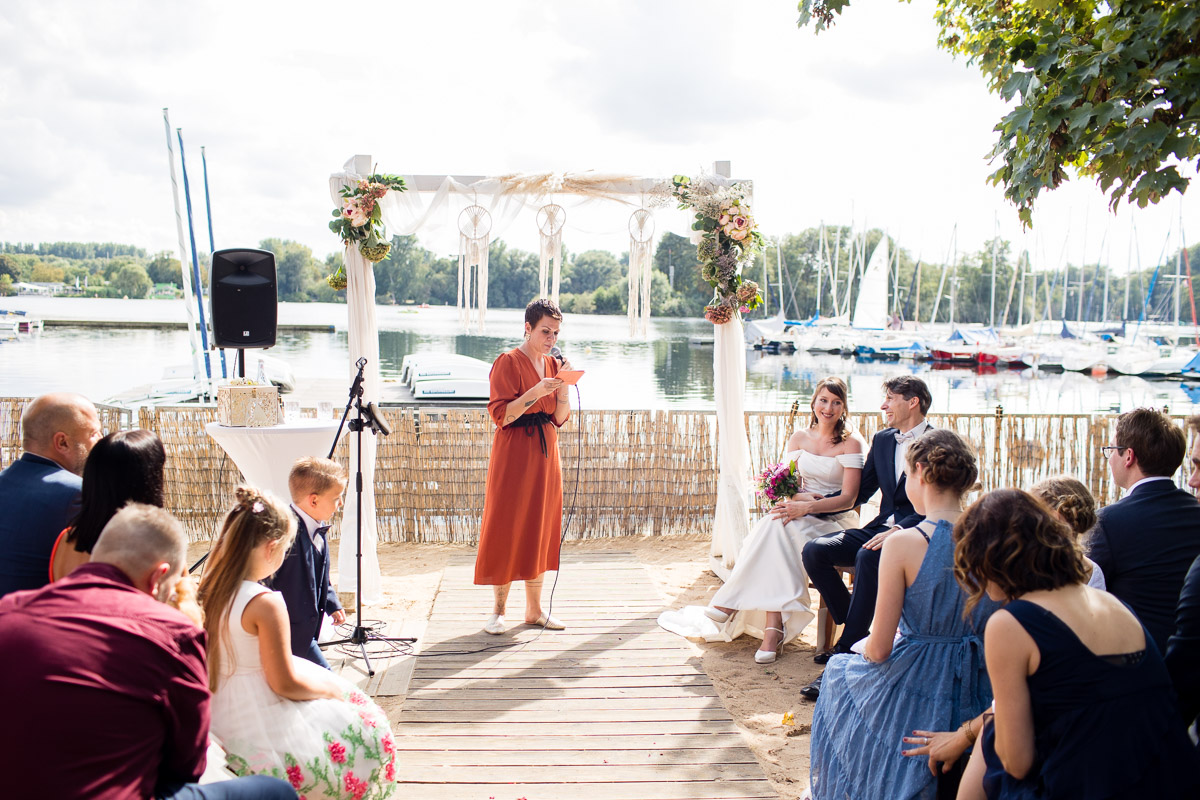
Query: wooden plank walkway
point(613, 708)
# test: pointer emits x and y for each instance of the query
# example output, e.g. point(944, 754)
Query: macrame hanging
point(551, 219)
point(641, 237)
point(474, 225)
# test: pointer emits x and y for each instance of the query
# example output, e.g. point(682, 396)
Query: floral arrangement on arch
point(729, 241)
point(360, 220)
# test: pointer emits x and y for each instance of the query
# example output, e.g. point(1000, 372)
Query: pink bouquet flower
point(779, 482)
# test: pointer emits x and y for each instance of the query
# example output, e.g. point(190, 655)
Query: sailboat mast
point(212, 246)
point(193, 334)
point(937, 300)
point(187, 196)
point(822, 258)
point(1082, 264)
point(837, 260)
point(992, 306)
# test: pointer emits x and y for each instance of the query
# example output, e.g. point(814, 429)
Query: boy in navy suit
point(316, 485)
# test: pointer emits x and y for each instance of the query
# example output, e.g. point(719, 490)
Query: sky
point(868, 124)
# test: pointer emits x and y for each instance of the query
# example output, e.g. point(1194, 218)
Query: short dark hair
point(1155, 439)
point(1012, 539)
point(123, 467)
point(908, 387)
point(541, 308)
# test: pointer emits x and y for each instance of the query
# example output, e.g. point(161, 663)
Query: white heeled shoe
point(716, 615)
point(495, 625)
point(769, 656)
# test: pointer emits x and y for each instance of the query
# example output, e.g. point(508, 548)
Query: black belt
point(536, 419)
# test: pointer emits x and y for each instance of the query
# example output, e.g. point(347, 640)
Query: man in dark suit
point(1146, 542)
point(39, 492)
point(906, 402)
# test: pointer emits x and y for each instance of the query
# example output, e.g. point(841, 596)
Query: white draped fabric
point(364, 343)
point(731, 521)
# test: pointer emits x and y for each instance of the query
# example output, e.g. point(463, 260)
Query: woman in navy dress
point(1084, 706)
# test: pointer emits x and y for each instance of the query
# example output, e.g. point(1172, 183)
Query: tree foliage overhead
point(1108, 87)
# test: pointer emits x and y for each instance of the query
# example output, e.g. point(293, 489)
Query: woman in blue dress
point(924, 657)
point(1084, 705)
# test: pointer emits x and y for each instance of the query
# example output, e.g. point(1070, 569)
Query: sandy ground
point(757, 697)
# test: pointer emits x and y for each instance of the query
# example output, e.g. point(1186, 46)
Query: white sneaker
point(495, 625)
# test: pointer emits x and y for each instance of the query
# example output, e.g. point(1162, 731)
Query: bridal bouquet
point(779, 482)
point(728, 241)
point(360, 219)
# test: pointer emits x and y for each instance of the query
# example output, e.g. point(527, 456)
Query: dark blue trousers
point(314, 654)
point(253, 787)
point(822, 556)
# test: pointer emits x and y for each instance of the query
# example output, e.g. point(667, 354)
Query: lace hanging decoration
point(641, 263)
point(551, 219)
point(474, 227)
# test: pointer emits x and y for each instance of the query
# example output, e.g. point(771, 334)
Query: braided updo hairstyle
point(946, 459)
point(258, 517)
point(1070, 499)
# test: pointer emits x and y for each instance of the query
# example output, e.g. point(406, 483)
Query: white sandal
point(716, 615)
point(769, 656)
point(548, 622)
point(495, 625)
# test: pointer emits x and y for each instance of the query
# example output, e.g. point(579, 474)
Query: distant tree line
point(596, 282)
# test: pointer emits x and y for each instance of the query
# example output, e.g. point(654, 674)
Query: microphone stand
point(365, 420)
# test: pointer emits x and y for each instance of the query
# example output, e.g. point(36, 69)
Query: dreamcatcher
point(551, 219)
point(474, 225)
point(641, 237)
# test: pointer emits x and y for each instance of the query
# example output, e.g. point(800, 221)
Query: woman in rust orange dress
point(522, 511)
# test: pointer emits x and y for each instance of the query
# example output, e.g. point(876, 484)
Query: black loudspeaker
point(245, 305)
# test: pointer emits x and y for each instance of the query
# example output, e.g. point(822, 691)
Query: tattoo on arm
point(531, 402)
point(509, 418)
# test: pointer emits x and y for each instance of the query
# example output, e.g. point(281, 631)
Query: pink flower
point(354, 786)
point(389, 745)
point(295, 776)
point(358, 698)
point(389, 772)
point(366, 718)
point(737, 235)
point(337, 752)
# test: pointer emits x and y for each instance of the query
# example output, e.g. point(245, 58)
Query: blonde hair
point(257, 518)
point(312, 475)
point(1070, 499)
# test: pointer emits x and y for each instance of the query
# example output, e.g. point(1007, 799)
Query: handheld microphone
point(554, 351)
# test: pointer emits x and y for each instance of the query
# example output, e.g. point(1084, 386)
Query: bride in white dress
point(767, 593)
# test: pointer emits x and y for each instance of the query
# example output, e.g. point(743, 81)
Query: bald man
point(39, 492)
point(101, 646)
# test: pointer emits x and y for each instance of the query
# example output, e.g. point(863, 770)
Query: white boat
point(452, 389)
point(871, 307)
point(415, 360)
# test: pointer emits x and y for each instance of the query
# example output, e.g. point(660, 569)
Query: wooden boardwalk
point(613, 708)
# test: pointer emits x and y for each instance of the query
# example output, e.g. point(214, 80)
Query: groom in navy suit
point(1146, 542)
point(906, 402)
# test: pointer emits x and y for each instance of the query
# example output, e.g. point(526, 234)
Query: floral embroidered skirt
point(326, 749)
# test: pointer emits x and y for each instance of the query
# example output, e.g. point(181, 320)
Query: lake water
point(662, 371)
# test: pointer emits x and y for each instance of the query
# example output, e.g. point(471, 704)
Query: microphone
point(554, 351)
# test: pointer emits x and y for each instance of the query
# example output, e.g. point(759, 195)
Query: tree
point(1110, 88)
point(6, 285)
point(9, 266)
point(164, 269)
point(132, 282)
point(45, 273)
point(589, 271)
point(296, 271)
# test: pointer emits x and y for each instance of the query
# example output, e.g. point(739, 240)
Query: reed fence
point(624, 472)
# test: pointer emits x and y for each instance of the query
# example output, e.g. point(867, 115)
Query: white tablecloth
point(265, 455)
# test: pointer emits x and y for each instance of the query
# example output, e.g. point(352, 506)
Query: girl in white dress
point(276, 714)
point(767, 593)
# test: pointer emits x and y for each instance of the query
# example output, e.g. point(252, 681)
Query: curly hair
point(836, 387)
point(1068, 498)
point(947, 459)
point(1012, 540)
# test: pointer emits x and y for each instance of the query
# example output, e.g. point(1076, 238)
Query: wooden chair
point(827, 630)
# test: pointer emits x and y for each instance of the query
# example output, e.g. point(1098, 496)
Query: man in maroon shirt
point(103, 686)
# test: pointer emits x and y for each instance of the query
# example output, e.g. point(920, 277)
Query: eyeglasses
point(1108, 450)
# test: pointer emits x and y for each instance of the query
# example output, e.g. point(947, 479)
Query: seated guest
point(1146, 542)
point(906, 402)
point(1084, 706)
point(123, 467)
point(39, 492)
point(1073, 504)
point(932, 671)
point(101, 646)
point(316, 485)
point(1183, 651)
point(767, 593)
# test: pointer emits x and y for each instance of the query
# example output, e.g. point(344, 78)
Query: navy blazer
point(303, 580)
point(879, 474)
point(39, 499)
point(1145, 544)
point(1183, 648)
